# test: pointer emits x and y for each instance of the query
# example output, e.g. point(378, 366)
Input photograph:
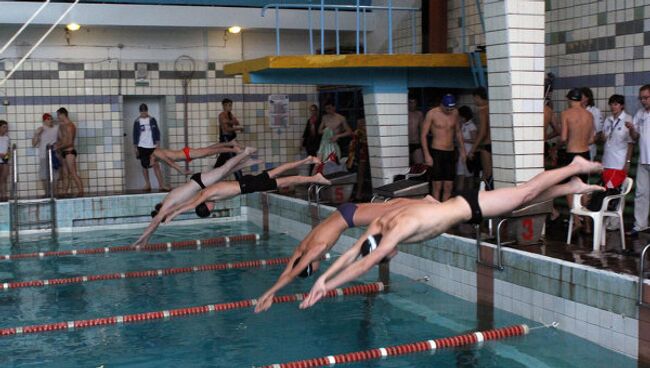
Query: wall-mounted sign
point(278, 111)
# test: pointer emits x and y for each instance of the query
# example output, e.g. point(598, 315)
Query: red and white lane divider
point(157, 247)
point(143, 274)
point(180, 312)
point(416, 347)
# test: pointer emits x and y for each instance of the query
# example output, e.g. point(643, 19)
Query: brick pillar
point(386, 113)
point(515, 52)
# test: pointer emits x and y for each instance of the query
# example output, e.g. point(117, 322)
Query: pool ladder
point(15, 204)
point(640, 302)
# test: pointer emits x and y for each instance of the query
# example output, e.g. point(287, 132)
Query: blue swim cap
point(449, 100)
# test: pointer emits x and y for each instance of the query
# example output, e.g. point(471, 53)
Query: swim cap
point(370, 244)
point(448, 100)
point(202, 210)
point(308, 271)
point(574, 94)
point(46, 116)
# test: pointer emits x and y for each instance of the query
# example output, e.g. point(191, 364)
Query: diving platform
point(443, 70)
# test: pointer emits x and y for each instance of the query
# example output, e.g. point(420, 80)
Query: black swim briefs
point(257, 183)
point(471, 197)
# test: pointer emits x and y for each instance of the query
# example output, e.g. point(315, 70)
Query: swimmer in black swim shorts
point(203, 203)
point(187, 191)
point(417, 222)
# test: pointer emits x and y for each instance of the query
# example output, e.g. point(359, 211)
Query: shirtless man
point(305, 259)
point(551, 133)
point(228, 128)
point(417, 222)
point(332, 128)
point(578, 133)
point(416, 118)
point(65, 146)
point(188, 154)
point(187, 191)
point(483, 142)
point(443, 123)
point(264, 182)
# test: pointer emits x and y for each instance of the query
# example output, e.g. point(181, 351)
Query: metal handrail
point(640, 302)
point(359, 10)
point(13, 211)
point(50, 171)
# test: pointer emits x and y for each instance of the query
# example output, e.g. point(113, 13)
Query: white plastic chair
point(599, 216)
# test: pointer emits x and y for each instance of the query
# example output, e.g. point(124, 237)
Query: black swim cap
point(154, 213)
point(158, 206)
point(202, 210)
point(370, 244)
point(308, 271)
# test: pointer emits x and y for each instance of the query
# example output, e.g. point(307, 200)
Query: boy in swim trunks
point(65, 146)
point(188, 154)
point(266, 181)
point(578, 133)
point(187, 191)
point(421, 221)
point(443, 123)
point(305, 259)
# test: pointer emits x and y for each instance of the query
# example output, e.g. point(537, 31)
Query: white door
point(134, 179)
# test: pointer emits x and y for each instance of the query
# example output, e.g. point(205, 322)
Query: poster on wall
point(278, 111)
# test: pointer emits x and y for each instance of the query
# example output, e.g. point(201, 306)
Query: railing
point(51, 184)
point(640, 290)
point(16, 203)
point(13, 210)
point(361, 28)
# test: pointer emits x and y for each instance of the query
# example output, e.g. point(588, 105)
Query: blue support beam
point(411, 77)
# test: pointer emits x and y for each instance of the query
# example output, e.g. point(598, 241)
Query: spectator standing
point(46, 134)
point(310, 136)
point(146, 138)
point(640, 131)
point(65, 146)
point(5, 158)
point(228, 128)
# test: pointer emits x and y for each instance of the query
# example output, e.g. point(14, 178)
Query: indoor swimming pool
point(411, 311)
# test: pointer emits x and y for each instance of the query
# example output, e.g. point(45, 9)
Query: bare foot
point(578, 187)
point(147, 188)
point(320, 179)
point(165, 188)
point(586, 166)
point(313, 160)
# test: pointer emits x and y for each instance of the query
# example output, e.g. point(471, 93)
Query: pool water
point(410, 312)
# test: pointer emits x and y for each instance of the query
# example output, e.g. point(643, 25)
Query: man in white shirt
point(146, 138)
point(640, 131)
point(619, 145)
point(46, 135)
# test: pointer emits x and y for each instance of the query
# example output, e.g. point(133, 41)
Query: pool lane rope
point(258, 263)
point(157, 247)
point(364, 289)
point(411, 348)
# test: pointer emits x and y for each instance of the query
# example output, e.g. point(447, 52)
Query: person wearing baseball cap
point(45, 135)
point(443, 124)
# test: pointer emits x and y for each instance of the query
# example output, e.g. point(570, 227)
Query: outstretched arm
point(203, 196)
point(346, 259)
point(349, 268)
point(289, 274)
point(153, 225)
